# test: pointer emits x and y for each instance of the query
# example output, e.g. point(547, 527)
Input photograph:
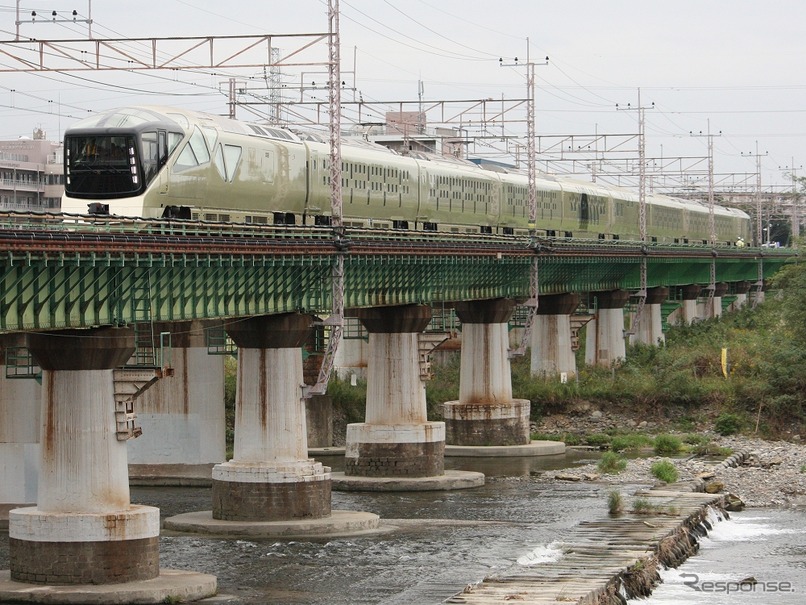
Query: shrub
point(615, 503)
point(629, 441)
point(611, 463)
point(597, 440)
point(665, 471)
point(667, 445)
point(728, 424)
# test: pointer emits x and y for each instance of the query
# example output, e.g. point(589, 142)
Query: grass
point(667, 445)
point(630, 441)
point(803, 468)
point(642, 506)
point(611, 463)
point(665, 471)
point(615, 503)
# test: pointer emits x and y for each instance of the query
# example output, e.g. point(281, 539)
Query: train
point(165, 162)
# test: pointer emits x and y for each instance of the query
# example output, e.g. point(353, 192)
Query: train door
point(584, 212)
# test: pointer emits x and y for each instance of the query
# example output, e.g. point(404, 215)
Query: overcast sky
point(736, 66)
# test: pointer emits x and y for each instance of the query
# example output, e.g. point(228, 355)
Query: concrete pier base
point(448, 480)
point(531, 449)
point(336, 524)
point(170, 586)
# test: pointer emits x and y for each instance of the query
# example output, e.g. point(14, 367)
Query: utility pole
point(793, 173)
point(336, 319)
point(759, 285)
point(531, 171)
point(711, 216)
point(759, 214)
point(641, 205)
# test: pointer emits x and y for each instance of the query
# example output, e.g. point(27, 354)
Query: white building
point(31, 174)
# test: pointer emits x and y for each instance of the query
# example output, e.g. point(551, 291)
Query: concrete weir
point(84, 531)
point(602, 562)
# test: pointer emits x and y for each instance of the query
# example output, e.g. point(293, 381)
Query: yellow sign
point(724, 362)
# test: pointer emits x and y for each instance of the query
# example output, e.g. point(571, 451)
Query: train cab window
point(569, 234)
point(508, 231)
point(551, 233)
point(601, 236)
point(429, 226)
point(400, 224)
point(194, 154)
point(485, 229)
point(321, 220)
point(654, 239)
point(615, 237)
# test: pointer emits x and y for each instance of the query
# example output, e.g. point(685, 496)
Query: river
point(450, 539)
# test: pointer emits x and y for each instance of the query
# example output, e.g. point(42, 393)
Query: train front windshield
point(102, 166)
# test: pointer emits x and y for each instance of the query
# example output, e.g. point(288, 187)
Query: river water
point(447, 540)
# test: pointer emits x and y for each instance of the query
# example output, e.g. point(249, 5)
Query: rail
point(31, 232)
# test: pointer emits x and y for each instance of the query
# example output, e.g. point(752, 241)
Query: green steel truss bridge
point(57, 273)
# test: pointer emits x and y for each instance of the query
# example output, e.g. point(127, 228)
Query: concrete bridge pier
point(650, 324)
point(182, 416)
point(270, 476)
point(271, 488)
point(604, 342)
point(19, 435)
point(397, 447)
point(688, 311)
point(741, 288)
point(720, 289)
point(84, 529)
point(486, 413)
point(552, 354)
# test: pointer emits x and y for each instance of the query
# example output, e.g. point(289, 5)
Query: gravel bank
point(770, 476)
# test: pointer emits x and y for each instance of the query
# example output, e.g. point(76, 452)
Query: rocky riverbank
point(773, 473)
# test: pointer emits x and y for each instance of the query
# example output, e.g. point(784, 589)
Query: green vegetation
point(680, 384)
point(728, 424)
point(615, 503)
point(664, 470)
point(667, 445)
point(611, 463)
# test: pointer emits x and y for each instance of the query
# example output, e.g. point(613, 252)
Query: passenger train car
point(167, 162)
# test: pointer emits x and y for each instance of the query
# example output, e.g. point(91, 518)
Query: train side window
point(321, 220)
point(226, 161)
point(429, 226)
point(400, 224)
point(194, 154)
point(485, 229)
point(508, 231)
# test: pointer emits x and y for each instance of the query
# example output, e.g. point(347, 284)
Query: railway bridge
point(91, 303)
